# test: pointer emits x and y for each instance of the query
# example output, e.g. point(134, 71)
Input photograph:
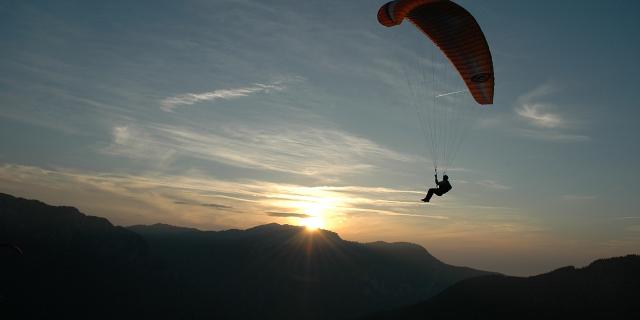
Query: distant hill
point(282, 271)
point(606, 289)
point(79, 266)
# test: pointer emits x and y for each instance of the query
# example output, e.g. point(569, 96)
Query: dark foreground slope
point(72, 265)
point(78, 266)
point(606, 289)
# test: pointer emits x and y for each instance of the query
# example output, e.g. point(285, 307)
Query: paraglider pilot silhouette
point(457, 34)
point(442, 187)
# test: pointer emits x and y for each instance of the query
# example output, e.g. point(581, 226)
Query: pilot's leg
point(429, 195)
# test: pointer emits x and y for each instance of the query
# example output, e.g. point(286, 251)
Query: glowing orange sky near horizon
point(494, 238)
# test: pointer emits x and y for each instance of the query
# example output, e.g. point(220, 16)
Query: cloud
point(578, 197)
point(543, 123)
point(538, 92)
point(137, 143)
point(208, 205)
point(287, 214)
point(152, 197)
point(294, 148)
point(215, 205)
point(536, 115)
point(171, 103)
point(363, 189)
point(493, 185)
point(361, 211)
point(554, 136)
point(149, 197)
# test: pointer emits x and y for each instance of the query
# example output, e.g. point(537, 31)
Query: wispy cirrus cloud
point(136, 143)
point(288, 214)
point(171, 103)
point(206, 205)
point(578, 197)
point(355, 211)
point(297, 149)
point(150, 198)
point(544, 123)
point(538, 116)
point(554, 136)
point(493, 184)
point(535, 111)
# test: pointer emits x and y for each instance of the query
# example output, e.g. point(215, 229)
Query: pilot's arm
point(436, 176)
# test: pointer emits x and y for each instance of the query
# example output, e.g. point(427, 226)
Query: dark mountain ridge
point(605, 289)
point(79, 266)
point(310, 274)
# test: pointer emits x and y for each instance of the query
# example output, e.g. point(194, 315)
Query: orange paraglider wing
point(454, 30)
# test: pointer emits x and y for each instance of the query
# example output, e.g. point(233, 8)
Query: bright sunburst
point(313, 223)
point(316, 211)
point(312, 208)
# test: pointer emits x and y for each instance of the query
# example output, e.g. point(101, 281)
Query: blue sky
point(229, 114)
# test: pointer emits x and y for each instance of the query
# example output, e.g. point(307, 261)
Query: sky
point(230, 114)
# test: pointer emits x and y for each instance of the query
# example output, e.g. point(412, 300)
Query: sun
point(313, 223)
point(315, 212)
point(310, 211)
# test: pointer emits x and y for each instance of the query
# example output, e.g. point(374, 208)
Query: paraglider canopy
point(454, 30)
point(444, 110)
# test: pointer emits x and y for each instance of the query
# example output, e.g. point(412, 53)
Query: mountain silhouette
point(606, 289)
point(285, 271)
point(71, 264)
point(77, 266)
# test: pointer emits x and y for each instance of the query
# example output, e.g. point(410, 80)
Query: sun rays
point(316, 210)
point(313, 223)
